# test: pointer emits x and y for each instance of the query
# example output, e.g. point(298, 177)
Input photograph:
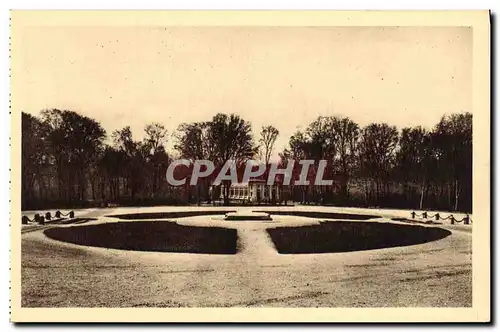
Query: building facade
point(254, 191)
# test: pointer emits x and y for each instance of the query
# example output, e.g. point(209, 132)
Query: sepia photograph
point(258, 166)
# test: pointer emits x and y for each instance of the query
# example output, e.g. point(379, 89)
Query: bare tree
point(268, 136)
point(155, 136)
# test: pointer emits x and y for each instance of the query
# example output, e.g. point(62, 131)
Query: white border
point(189, 4)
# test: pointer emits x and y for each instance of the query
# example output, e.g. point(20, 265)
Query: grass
point(160, 236)
point(345, 236)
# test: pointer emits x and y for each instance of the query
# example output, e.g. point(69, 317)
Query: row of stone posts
point(453, 220)
point(40, 219)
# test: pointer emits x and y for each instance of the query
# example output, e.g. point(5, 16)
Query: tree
point(453, 143)
point(192, 141)
point(377, 147)
point(155, 136)
point(299, 149)
point(122, 140)
point(35, 157)
point(76, 142)
point(193, 144)
point(415, 159)
point(133, 161)
point(317, 142)
point(268, 136)
point(346, 146)
point(110, 170)
point(56, 142)
point(159, 161)
point(155, 154)
point(321, 137)
point(232, 139)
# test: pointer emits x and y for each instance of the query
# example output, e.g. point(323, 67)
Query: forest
point(70, 161)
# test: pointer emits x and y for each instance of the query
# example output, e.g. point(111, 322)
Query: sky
point(281, 76)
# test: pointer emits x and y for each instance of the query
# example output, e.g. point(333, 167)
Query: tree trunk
point(92, 184)
point(343, 189)
point(41, 190)
point(225, 194)
point(59, 188)
point(440, 199)
point(111, 189)
point(422, 191)
point(198, 193)
point(366, 187)
point(82, 185)
point(457, 194)
point(406, 192)
point(449, 195)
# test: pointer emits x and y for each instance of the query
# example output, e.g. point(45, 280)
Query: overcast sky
point(280, 76)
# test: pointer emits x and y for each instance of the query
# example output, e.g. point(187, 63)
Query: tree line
point(68, 160)
point(380, 166)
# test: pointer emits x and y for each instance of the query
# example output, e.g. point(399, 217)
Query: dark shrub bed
point(160, 236)
point(166, 215)
point(344, 236)
point(322, 215)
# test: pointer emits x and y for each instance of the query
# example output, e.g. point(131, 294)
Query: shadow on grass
point(166, 215)
point(345, 236)
point(413, 221)
point(322, 215)
point(162, 236)
point(69, 221)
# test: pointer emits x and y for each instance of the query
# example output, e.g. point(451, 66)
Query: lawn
point(162, 236)
point(345, 236)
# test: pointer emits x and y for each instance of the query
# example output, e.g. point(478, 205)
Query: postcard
point(250, 166)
